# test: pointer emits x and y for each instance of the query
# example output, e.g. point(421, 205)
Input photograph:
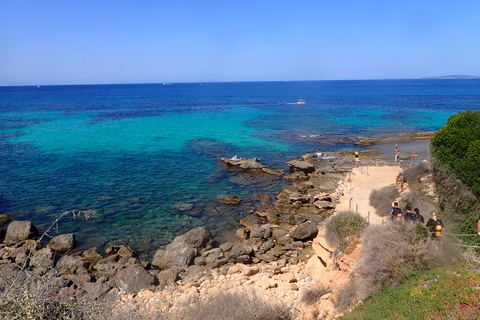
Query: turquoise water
point(145, 157)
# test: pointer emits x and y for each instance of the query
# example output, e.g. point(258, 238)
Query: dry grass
point(412, 175)
point(418, 199)
point(238, 305)
point(311, 296)
point(392, 253)
point(381, 199)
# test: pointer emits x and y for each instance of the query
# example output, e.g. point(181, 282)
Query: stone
point(121, 250)
point(250, 221)
point(18, 231)
point(248, 270)
point(240, 249)
point(183, 249)
point(63, 242)
point(300, 165)
point(305, 231)
point(96, 290)
point(132, 279)
point(42, 258)
point(108, 269)
point(231, 199)
point(69, 264)
point(92, 254)
point(262, 232)
point(168, 277)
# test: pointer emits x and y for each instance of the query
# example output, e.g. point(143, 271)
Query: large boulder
point(133, 278)
point(304, 231)
point(63, 242)
point(183, 249)
point(18, 231)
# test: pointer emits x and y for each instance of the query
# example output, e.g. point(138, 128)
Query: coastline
point(279, 249)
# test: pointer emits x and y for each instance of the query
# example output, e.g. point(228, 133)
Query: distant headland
point(452, 77)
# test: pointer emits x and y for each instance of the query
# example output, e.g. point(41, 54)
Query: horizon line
point(451, 77)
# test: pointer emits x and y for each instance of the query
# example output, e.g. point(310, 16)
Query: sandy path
point(363, 181)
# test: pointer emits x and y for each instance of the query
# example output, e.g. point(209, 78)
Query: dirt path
point(363, 181)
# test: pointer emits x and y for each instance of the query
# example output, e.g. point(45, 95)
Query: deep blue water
point(145, 156)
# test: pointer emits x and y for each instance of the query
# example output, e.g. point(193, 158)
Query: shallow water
point(145, 157)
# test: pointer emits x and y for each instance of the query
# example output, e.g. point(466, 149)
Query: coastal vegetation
point(456, 152)
point(439, 293)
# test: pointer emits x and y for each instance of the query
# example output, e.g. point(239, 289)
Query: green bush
point(459, 208)
point(457, 146)
point(344, 227)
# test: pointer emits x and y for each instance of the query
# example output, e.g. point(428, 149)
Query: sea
point(145, 157)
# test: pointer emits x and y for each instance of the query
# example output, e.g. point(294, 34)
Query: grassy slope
point(441, 293)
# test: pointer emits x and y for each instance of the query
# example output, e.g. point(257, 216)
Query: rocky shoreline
point(274, 248)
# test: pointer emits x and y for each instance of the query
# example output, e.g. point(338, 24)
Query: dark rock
point(62, 242)
point(305, 231)
point(133, 279)
point(96, 290)
point(200, 261)
point(240, 249)
point(18, 231)
point(267, 245)
point(69, 264)
point(168, 277)
point(300, 165)
point(261, 232)
point(108, 269)
point(183, 249)
point(217, 263)
point(245, 259)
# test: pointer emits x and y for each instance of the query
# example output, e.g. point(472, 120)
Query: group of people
point(434, 225)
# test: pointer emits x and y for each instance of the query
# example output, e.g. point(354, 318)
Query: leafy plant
point(344, 226)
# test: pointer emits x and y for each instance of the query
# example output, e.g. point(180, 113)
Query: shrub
point(412, 175)
point(310, 296)
point(458, 206)
point(390, 255)
point(33, 298)
point(381, 199)
point(457, 146)
point(239, 305)
point(417, 199)
point(344, 227)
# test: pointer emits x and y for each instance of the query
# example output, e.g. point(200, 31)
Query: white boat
point(301, 101)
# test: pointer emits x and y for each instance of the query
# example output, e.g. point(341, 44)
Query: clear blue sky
point(80, 42)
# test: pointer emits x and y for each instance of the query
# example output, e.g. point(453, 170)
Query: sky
point(98, 42)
